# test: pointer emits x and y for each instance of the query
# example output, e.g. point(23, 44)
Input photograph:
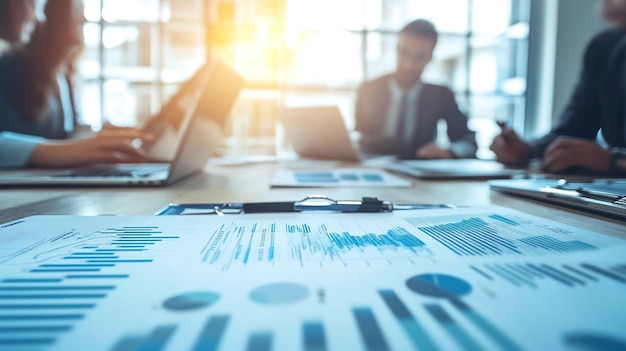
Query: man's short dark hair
point(421, 28)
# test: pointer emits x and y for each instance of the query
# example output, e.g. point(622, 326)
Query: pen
point(503, 128)
point(320, 203)
point(310, 203)
point(324, 203)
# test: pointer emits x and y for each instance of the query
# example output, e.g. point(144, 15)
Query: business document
point(342, 177)
point(463, 279)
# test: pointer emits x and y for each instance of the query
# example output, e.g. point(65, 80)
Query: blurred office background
point(513, 60)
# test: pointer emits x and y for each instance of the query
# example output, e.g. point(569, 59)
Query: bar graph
point(594, 342)
point(302, 243)
point(46, 301)
point(156, 340)
point(212, 333)
point(337, 177)
point(327, 296)
point(552, 244)
point(314, 336)
point(532, 275)
point(620, 269)
point(369, 329)
point(260, 341)
point(412, 327)
point(451, 289)
point(496, 234)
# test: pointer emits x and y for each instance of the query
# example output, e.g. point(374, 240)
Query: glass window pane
point(498, 65)
point(381, 54)
point(89, 65)
point(183, 52)
point(344, 14)
point(92, 10)
point(491, 16)
point(183, 10)
point(485, 110)
point(129, 104)
point(251, 130)
point(88, 103)
point(446, 68)
point(447, 15)
point(327, 58)
point(130, 53)
point(131, 10)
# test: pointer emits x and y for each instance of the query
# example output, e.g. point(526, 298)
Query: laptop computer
point(318, 132)
point(604, 196)
point(453, 169)
point(187, 135)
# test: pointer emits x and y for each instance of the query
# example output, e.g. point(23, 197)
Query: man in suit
point(398, 113)
point(598, 103)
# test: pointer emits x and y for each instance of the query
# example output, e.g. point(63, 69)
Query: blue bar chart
point(452, 289)
point(496, 234)
point(170, 287)
point(302, 243)
point(46, 302)
point(533, 275)
point(314, 336)
point(337, 177)
point(154, 341)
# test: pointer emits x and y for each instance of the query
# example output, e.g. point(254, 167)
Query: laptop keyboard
point(125, 171)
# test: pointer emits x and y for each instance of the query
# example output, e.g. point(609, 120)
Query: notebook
point(453, 169)
point(186, 139)
point(605, 196)
point(318, 132)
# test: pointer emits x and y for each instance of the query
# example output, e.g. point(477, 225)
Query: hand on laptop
point(432, 151)
point(109, 146)
point(510, 149)
point(567, 152)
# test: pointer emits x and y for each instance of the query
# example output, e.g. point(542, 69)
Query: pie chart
point(279, 293)
point(190, 301)
point(438, 285)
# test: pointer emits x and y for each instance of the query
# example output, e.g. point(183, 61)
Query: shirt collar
point(397, 91)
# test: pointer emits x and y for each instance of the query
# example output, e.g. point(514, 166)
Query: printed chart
point(310, 283)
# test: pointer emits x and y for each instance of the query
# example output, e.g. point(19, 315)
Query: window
point(299, 52)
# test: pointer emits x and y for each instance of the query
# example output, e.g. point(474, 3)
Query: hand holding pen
point(509, 148)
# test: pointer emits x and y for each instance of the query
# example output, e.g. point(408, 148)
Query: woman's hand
point(108, 146)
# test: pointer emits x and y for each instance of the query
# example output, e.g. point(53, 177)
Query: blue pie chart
point(191, 301)
point(279, 293)
point(439, 285)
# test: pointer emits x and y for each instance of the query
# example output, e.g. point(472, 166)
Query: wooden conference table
point(250, 183)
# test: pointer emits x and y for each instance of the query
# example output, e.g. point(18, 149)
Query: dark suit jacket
point(435, 102)
point(599, 98)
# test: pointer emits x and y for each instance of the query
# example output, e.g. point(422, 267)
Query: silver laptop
point(605, 196)
point(187, 131)
point(453, 169)
point(318, 132)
